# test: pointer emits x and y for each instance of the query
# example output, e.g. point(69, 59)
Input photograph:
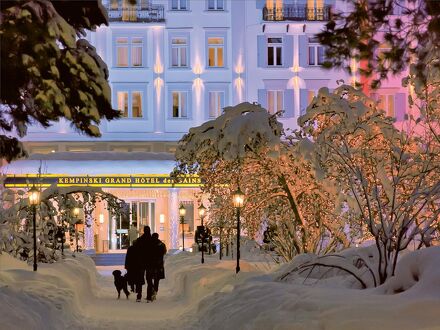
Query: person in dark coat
point(135, 269)
point(158, 270)
point(146, 260)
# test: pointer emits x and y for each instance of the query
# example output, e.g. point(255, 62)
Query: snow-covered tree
point(54, 211)
point(247, 147)
point(389, 177)
point(409, 29)
point(48, 72)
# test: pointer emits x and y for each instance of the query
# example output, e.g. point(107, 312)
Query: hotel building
point(175, 64)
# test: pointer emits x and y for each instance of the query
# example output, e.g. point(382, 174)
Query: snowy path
point(70, 295)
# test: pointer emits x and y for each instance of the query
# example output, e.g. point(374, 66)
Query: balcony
point(136, 14)
point(292, 12)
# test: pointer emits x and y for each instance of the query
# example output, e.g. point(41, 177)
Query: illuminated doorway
point(139, 212)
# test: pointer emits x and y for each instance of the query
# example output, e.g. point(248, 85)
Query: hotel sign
point(109, 181)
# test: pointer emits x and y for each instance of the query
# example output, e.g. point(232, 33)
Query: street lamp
point(76, 214)
point(202, 212)
point(34, 200)
point(237, 200)
point(182, 212)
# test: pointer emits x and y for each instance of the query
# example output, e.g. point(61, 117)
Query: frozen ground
point(71, 294)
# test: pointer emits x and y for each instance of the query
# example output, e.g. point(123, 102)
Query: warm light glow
point(162, 218)
point(238, 83)
point(76, 211)
point(353, 68)
point(158, 67)
point(101, 218)
point(182, 210)
point(198, 69)
point(34, 196)
point(238, 198)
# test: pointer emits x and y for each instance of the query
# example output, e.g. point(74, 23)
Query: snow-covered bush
point(53, 212)
point(388, 177)
point(247, 147)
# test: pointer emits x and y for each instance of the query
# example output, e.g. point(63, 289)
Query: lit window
point(136, 104)
point(274, 51)
point(136, 52)
point(179, 104)
point(216, 103)
point(216, 5)
point(386, 102)
point(179, 52)
point(129, 11)
point(315, 10)
point(179, 5)
point(122, 51)
point(215, 52)
point(129, 52)
point(130, 104)
point(123, 103)
point(316, 52)
point(275, 101)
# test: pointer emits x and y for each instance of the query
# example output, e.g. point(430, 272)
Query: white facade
point(155, 65)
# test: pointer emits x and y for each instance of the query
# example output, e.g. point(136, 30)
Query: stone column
point(173, 211)
point(89, 232)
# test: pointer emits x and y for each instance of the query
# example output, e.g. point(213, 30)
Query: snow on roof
point(93, 163)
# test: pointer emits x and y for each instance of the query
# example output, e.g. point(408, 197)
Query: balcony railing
point(133, 14)
point(296, 13)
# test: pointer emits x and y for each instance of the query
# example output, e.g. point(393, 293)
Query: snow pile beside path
point(337, 269)
point(262, 303)
point(417, 275)
point(47, 299)
point(71, 294)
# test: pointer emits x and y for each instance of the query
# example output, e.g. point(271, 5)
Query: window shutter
point(400, 106)
point(288, 103)
point(261, 51)
point(303, 50)
point(288, 52)
point(303, 101)
point(262, 98)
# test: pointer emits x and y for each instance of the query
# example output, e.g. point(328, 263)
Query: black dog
point(120, 283)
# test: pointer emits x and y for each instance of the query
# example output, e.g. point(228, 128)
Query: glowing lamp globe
point(182, 210)
point(238, 198)
point(34, 196)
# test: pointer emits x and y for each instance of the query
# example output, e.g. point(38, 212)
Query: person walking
point(158, 269)
point(146, 256)
point(135, 270)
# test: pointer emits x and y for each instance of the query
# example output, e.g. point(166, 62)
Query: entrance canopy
point(106, 169)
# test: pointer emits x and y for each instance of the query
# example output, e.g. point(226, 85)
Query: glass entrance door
point(122, 224)
point(137, 212)
point(145, 215)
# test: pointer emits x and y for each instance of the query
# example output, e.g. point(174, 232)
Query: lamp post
point(202, 211)
point(182, 212)
point(238, 198)
point(76, 214)
point(220, 227)
point(34, 200)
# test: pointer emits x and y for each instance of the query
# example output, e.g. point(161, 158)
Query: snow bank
point(261, 303)
point(71, 294)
